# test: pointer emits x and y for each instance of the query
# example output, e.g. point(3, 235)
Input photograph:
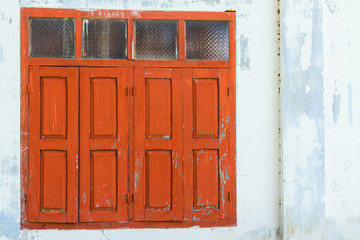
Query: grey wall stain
point(332, 7)
point(299, 219)
point(9, 226)
point(350, 107)
point(259, 234)
point(336, 107)
point(332, 232)
point(244, 53)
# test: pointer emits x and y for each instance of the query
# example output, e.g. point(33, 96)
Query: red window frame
point(130, 64)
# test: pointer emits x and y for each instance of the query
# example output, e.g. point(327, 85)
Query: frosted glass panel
point(105, 39)
point(52, 37)
point(207, 40)
point(156, 39)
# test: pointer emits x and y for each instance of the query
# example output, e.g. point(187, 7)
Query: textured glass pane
point(104, 39)
point(52, 37)
point(207, 40)
point(156, 39)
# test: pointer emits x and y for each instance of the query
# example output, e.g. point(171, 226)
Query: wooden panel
point(53, 163)
point(206, 107)
point(158, 108)
point(103, 180)
point(104, 155)
point(53, 107)
point(206, 144)
point(53, 181)
point(206, 179)
point(158, 170)
point(158, 161)
point(103, 108)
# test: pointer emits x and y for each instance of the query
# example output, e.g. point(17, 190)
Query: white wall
point(321, 119)
point(257, 121)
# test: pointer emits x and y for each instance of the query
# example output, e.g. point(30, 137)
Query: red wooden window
point(127, 127)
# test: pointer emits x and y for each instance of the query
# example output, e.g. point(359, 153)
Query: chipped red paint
point(162, 171)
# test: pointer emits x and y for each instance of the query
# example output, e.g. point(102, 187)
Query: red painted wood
point(206, 107)
point(24, 119)
point(158, 187)
point(53, 115)
point(206, 122)
point(130, 39)
point(232, 126)
point(131, 130)
point(53, 174)
point(78, 38)
point(104, 147)
point(103, 144)
point(125, 14)
point(103, 108)
point(181, 39)
point(132, 224)
point(158, 108)
point(206, 180)
point(53, 180)
point(158, 119)
point(125, 63)
point(103, 173)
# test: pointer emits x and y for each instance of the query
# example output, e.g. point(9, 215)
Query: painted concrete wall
point(320, 119)
point(257, 114)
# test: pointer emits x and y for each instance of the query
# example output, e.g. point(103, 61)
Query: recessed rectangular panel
point(103, 180)
point(206, 107)
point(53, 184)
point(52, 37)
point(104, 38)
point(53, 107)
point(207, 40)
point(156, 40)
point(158, 108)
point(206, 179)
point(103, 108)
point(158, 179)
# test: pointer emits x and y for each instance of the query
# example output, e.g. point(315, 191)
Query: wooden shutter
point(53, 144)
point(206, 144)
point(103, 144)
point(158, 144)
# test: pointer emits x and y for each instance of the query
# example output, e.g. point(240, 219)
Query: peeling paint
point(303, 120)
point(244, 53)
point(9, 225)
point(332, 6)
point(336, 107)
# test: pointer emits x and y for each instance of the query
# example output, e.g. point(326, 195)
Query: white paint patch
point(307, 89)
